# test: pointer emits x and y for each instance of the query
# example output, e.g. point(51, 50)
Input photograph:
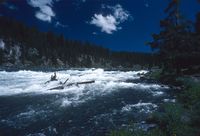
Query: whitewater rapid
point(111, 102)
point(32, 82)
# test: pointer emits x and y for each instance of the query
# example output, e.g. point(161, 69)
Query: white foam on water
point(169, 100)
point(26, 114)
point(158, 93)
point(66, 102)
point(20, 82)
point(140, 107)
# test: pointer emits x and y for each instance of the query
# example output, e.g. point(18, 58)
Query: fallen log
point(79, 83)
point(70, 84)
point(86, 82)
point(66, 81)
point(57, 88)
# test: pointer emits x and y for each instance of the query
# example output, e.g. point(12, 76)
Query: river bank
point(180, 117)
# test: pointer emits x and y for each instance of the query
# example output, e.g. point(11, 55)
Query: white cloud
point(107, 23)
point(39, 3)
point(110, 22)
point(43, 17)
point(119, 13)
point(45, 12)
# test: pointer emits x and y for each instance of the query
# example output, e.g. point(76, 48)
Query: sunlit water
point(115, 100)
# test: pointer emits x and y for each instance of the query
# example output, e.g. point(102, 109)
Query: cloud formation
point(110, 22)
point(45, 12)
point(107, 23)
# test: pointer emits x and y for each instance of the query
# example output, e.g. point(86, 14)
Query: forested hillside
point(27, 46)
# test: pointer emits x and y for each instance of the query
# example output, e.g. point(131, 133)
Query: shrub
point(191, 95)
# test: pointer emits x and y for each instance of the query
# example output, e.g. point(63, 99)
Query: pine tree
point(173, 41)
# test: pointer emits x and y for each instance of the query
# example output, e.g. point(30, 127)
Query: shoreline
point(52, 69)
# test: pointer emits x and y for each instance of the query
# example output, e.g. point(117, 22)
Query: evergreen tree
point(39, 48)
point(174, 40)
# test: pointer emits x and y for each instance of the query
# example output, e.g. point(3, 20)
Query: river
point(116, 100)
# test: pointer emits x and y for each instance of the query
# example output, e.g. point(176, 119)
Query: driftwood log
point(79, 83)
point(57, 88)
point(66, 81)
point(71, 84)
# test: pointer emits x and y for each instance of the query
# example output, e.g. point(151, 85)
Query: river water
point(116, 100)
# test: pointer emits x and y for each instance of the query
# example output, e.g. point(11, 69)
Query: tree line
point(29, 46)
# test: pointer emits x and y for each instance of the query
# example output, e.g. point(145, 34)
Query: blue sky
point(122, 25)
